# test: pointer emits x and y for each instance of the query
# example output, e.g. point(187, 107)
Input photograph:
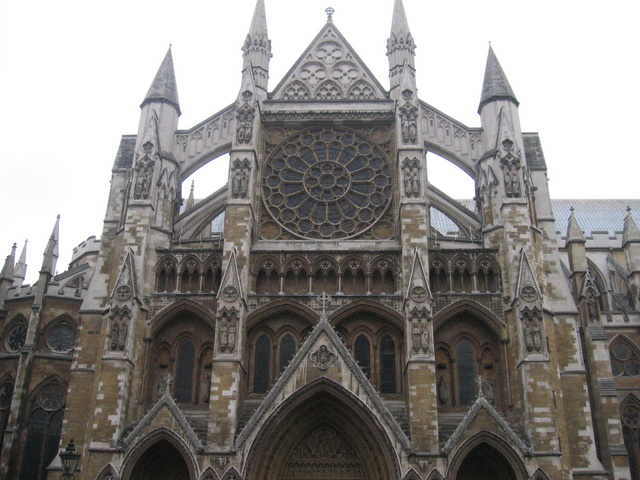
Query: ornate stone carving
point(532, 330)
point(327, 183)
point(144, 178)
point(408, 120)
point(228, 331)
point(411, 177)
point(120, 319)
point(230, 293)
point(443, 390)
point(323, 358)
point(245, 114)
point(240, 178)
point(528, 293)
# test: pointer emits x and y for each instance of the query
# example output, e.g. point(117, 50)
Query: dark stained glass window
point(261, 365)
point(363, 354)
point(466, 364)
point(387, 365)
point(184, 371)
point(287, 351)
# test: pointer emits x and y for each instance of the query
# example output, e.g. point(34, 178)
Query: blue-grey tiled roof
point(593, 215)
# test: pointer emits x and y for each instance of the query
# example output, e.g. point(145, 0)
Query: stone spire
point(257, 47)
point(164, 87)
point(51, 251)
point(574, 232)
point(400, 45)
point(7, 272)
point(630, 232)
point(20, 272)
point(191, 200)
point(495, 85)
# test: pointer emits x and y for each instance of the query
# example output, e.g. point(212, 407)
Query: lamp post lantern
point(70, 460)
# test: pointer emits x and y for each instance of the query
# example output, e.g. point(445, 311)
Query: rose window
point(327, 183)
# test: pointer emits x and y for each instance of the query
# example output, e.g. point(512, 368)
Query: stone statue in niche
point(537, 335)
point(528, 337)
point(323, 357)
point(411, 178)
point(425, 344)
point(143, 182)
point(489, 393)
point(592, 307)
point(511, 180)
point(227, 340)
point(240, 180)
point(409, 124)
point(119, 330)
point(232, 335)
point(224, 335)
point(246, 113)
point(416, 337)
point(443, 391)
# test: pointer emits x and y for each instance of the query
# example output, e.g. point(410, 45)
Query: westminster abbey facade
point(329, 314)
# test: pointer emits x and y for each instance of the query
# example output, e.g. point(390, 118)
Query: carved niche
point(228, 332)
point(408, 118)
point(245, 113)
point(510, 163)
point(411, 177)
point(120, 317)
point(240, 178)
point(420, 332)
point(532, 333)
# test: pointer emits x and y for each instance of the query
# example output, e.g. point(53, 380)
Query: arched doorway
point(483, 462)
point(161, 461)
point(323, 430)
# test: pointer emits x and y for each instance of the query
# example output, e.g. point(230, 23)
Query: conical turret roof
point(495, 85)
point(164, 87)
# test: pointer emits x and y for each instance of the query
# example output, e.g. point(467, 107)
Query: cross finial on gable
point(329, 11)
point(323, 301)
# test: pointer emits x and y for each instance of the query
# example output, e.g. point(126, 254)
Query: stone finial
point(167, 379)
point(329, 11)
point(324, 300)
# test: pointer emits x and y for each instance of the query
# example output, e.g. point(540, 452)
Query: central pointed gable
point(329, 69)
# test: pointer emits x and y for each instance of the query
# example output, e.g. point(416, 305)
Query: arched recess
point(486, 455)
point(108, 472)
point(467, 340)
point(161, 455)
point(361, 306)
point(184, 306)
point(322, 426)
point(284, 306)
point(473, 308)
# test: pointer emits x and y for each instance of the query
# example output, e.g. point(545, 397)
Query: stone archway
point(322, 433)
point(485, 461)
point(161, 461)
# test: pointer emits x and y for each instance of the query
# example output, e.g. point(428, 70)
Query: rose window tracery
point(327, 183)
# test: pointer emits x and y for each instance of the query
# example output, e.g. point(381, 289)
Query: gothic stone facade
point(328, 330)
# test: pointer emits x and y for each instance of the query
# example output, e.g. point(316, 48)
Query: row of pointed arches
point(353, 275)
point(189, 275)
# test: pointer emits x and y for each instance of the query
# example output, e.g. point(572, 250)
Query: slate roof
point(495, 85)
point(124, 157)
point(593, 215)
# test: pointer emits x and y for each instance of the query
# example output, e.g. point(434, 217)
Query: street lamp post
point(70, 460)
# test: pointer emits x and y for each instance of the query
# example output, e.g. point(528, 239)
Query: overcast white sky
point(75, 72)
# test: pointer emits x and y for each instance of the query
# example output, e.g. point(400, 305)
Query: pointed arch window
point(287, 351)
point(466, 370)
point(6, 394)
point(362, 354)
point(631, 435)
point(43, 432)
point(17, 336)
point(185, 369)
point(388, 365)
point(625, 361)
point(262, 364)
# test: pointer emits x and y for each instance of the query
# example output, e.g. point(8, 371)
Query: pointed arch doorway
point(485, 461)
point(323, 433)
point(161, 461)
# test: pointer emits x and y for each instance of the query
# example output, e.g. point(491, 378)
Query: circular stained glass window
point(327, 183)
point(17, 337)
point(61, 338)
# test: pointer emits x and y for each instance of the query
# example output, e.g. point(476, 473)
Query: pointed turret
point(495, 85)
point(574, 231)
point(20, 272)
point(400, 46)
point(164, 87)
point(51, 251)
point(6, 278)
point(191, 200)
point(630, 233)
point(257, 48)
point(7, 272)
